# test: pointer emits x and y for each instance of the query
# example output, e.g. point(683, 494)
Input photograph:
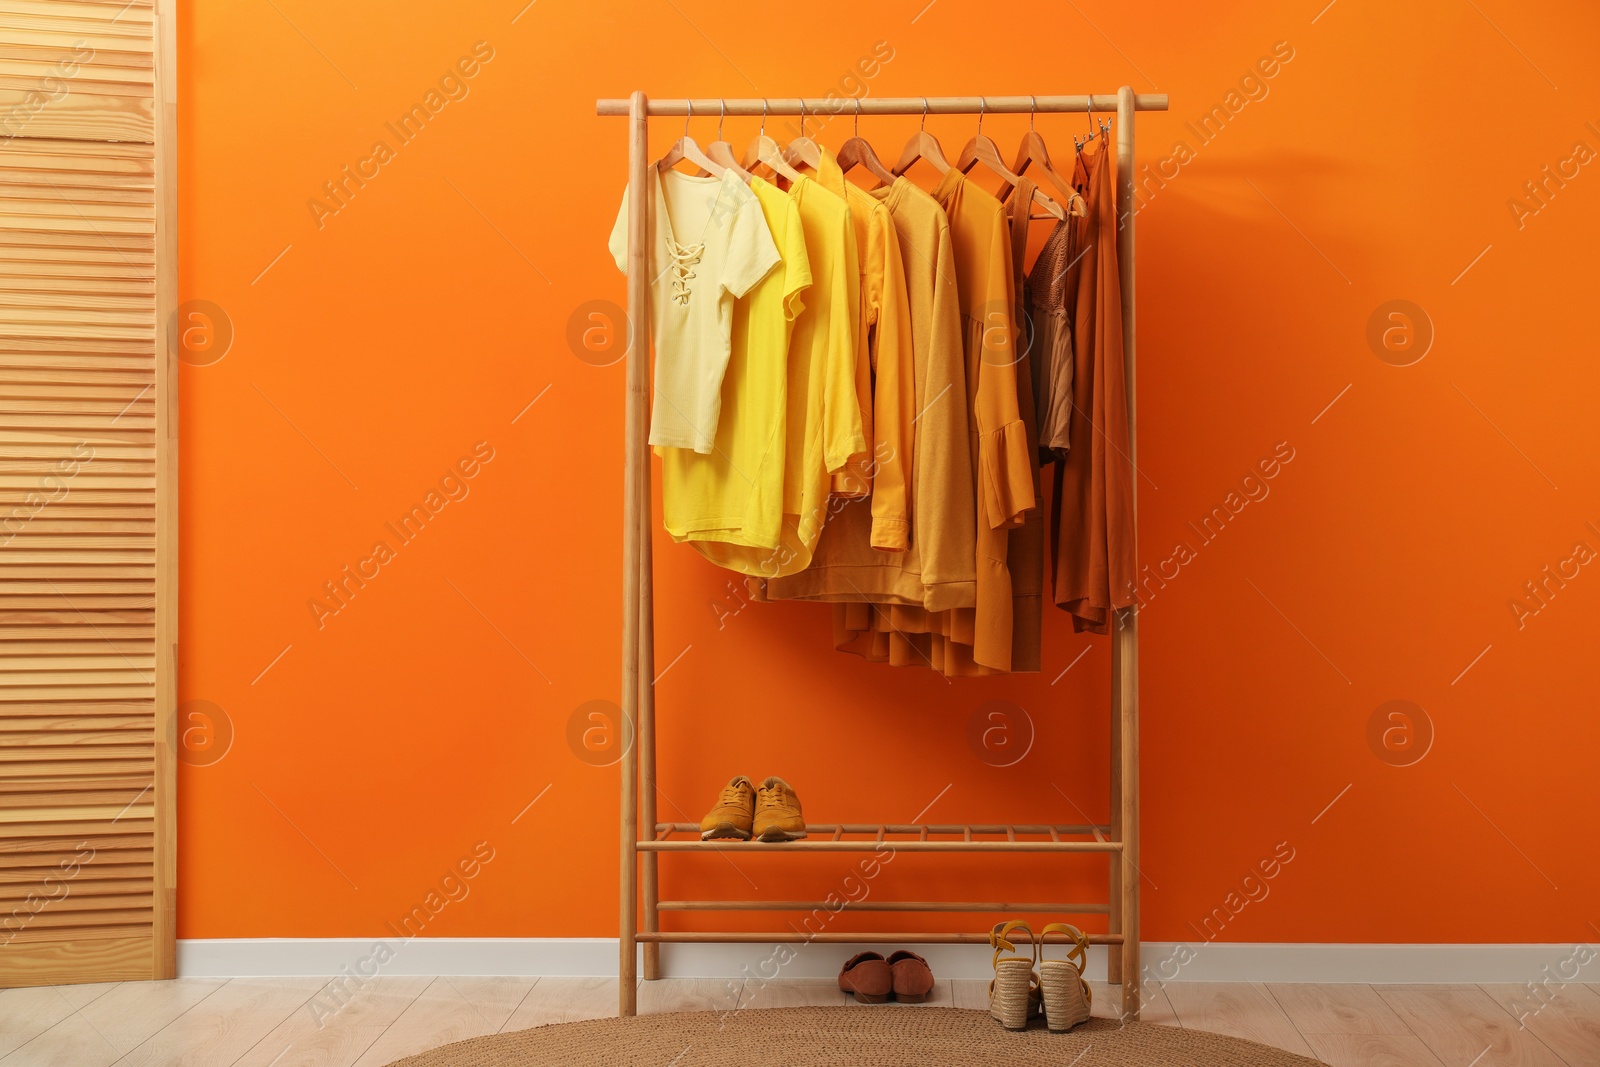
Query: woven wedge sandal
point(1014, 995)
point(1067, 996)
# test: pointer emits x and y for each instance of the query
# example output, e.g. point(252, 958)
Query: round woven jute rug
point(848, 1036)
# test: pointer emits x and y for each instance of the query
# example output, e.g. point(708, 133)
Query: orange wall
point(376, 347)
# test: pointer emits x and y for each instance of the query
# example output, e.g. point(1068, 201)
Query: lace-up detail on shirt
point(684, 258)
point(697, 270)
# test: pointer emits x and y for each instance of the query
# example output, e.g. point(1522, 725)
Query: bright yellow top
point(823, 427)
point(734, 493)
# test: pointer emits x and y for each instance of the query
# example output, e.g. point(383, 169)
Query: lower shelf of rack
point(876, 846)
point(909, 937)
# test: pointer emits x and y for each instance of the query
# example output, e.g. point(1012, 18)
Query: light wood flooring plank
point(689, 994)
point(1157, 1008)
point(1462, 1024)
point(319, 1036)
point(70, 1041)
point(564, 1000)
point(451, 1009)
point(225, 1025)
point(114, 1023)
point(29, 1011)
point(970, 993)
point(1372, 1050)
point(1337, 1009)
point(1565, 1018)
point(79, 995)
point(793, 993)
point(1240, 1009)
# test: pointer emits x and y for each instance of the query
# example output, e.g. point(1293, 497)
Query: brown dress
point(1048, 323)
point(1025, 551)
point(1092, 552)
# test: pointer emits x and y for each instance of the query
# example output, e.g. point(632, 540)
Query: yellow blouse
point(734, 493)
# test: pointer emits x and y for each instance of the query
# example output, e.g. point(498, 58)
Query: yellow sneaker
point(733, 812)
point(778, 815)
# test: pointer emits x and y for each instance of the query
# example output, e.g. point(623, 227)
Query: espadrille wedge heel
point(1014, 992)
point(1067, 996)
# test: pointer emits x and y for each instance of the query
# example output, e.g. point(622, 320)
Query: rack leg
point(1116, 956)
point(647, 726)
point(634, 607)
point(1125, 649)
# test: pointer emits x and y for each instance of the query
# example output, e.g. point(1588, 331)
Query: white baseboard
point(597, 957)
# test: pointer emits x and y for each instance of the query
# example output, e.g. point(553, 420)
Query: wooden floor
point(298, 1022)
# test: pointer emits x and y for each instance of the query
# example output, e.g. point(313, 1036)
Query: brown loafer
point(910, 976)
point(867, 975)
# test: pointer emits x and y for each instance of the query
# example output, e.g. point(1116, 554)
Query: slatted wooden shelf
point(841, 937)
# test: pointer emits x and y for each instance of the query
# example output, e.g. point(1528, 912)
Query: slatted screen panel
point(85, 478)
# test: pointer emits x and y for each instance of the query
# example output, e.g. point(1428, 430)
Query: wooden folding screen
point(88, 465)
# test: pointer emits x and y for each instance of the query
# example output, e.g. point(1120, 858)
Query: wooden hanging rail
point(888, 105)
point(1118, 841)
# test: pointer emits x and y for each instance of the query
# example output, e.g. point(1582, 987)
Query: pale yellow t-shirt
point(709, 245)
point(734, 494)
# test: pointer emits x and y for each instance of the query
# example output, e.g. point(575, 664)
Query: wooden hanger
point(857, 151)
point(983, 150)
point(686, 150)
point(722, 152)
point(765, 150)
point(923, 145)
point(1033, 150)
point(803, 151)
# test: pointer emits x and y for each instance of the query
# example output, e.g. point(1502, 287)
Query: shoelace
point(732, 796)
point(684, 257)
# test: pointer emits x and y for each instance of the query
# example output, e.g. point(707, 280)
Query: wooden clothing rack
point(1119, 839)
